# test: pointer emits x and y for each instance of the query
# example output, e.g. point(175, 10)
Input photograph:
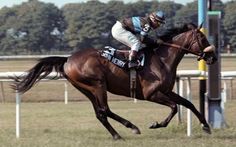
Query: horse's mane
point(170, 33)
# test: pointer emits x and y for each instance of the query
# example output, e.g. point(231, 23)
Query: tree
point(230, 23)
point(7, 38)
point(88, 24)
point(33, 26)
point(187, 14)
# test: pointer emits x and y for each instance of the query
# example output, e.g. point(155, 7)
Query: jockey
point(127, 31)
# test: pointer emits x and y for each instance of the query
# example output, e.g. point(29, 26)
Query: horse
point(93, 75)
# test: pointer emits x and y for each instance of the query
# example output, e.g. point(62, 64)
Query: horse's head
point(196, 42)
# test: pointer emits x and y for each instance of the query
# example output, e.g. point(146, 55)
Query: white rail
point(7, 76)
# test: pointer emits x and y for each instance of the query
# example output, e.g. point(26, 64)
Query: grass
point(75, 125)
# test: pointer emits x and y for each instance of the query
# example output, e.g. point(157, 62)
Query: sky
point(60, 3)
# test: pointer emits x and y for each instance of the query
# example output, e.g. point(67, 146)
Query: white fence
point(182, 74)
point(187, 75)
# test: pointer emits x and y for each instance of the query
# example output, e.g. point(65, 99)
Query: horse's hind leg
point(163, 100)
point(101, 97)
point(101, 114)
point(99, 102)
point(125, 122)
point(103, 111)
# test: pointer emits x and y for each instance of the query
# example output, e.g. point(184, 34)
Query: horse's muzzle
point(210, 48)
point(208, 55)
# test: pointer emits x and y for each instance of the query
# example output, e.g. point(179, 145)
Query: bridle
point(205, 53)
point(194, 39)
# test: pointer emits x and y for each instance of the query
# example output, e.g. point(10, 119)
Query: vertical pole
point(133, 83)
point(178, 106)
point(2, 92)
point(216, 116)
point(66, 93)
point(181, 93)
point(224, 92)
point(231, 89)
point(18, 103)
point(202, 8)
point(189, 115)
point(223, 101)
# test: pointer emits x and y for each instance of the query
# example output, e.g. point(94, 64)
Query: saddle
point(120, 57)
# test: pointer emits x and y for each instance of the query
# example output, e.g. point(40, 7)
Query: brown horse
point(94, 75)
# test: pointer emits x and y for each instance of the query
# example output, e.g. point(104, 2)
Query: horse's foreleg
point(98, 97)
point(182, 101)
point(163, 100)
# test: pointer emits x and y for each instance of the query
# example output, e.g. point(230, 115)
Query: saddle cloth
point(120, 57)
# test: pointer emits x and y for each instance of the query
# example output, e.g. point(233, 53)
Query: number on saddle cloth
point(120, 60)
point(110, 54)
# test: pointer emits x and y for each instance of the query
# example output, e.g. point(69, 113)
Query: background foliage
point(35, 27)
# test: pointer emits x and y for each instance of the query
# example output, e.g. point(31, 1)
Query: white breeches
point(125, 37)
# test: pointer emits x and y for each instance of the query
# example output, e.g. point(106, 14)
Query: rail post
point(66, 93)
point(189, 115)
point(18, 120)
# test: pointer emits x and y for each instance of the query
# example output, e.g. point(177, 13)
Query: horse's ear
point(191, 26)
point(200, 26)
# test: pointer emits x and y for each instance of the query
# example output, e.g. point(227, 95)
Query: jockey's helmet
point(157, 18)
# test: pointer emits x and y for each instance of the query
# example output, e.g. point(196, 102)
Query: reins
point(179, 47)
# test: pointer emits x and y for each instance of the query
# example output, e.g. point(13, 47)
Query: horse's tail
point(42, 69)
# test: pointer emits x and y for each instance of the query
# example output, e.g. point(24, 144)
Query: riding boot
point(133, 63)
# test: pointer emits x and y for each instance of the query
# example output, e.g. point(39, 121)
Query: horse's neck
point(171, 56)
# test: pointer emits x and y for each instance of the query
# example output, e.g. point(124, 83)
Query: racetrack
point(75, 125)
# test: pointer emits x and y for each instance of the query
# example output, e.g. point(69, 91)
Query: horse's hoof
point(117, 137)
point(155, 125)
point(206, 129)
point(136, 131)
